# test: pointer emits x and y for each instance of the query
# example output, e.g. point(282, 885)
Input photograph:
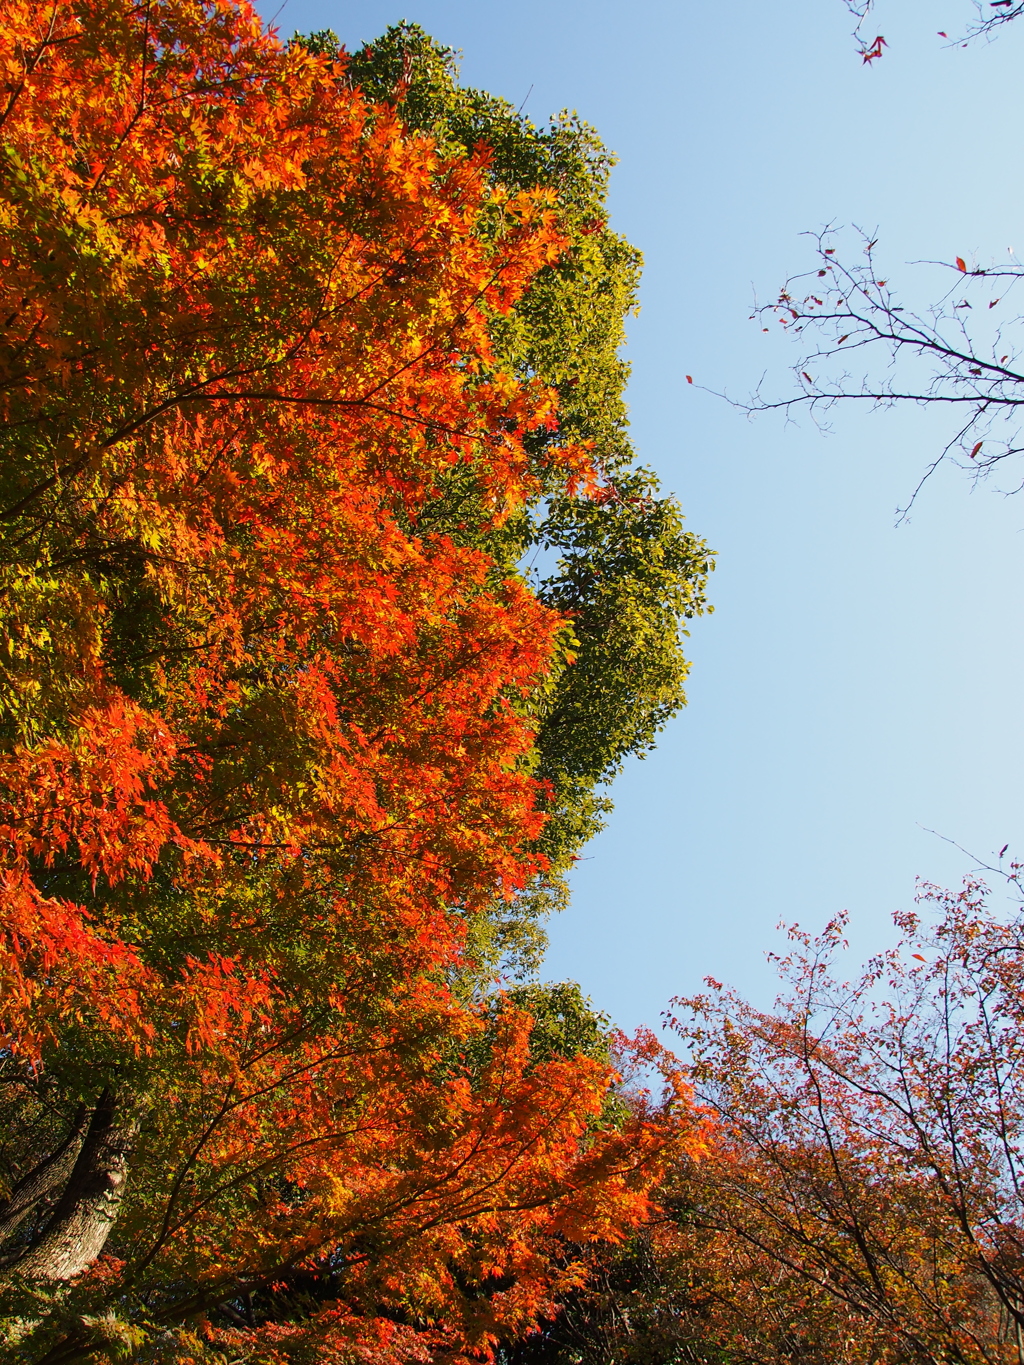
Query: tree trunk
point(48, 1175)
point(87, 1209)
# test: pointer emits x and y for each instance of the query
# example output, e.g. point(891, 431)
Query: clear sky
point(859, 683)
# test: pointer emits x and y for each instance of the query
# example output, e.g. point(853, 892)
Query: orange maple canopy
point(265, 695)
point(249, 338)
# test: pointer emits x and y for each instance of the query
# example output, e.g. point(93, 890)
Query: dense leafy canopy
point(283, 720)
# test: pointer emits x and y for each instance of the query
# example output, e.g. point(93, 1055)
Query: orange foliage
point(249, 334)
point(264, 741)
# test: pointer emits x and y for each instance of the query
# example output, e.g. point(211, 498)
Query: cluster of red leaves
point(264, 750)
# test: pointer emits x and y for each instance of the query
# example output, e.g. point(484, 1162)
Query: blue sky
point(859, 682)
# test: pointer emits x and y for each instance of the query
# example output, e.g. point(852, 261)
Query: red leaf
point(961, 265)
point(689, 379)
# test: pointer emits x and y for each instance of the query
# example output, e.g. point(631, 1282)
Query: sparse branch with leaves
point(861, 343)
point(988, 16)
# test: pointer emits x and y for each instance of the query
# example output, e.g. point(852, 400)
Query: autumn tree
point(271, 692)
point(864, 1197)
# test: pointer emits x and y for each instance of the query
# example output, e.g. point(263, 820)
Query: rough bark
point(50, 1174)
point(88, 1208)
